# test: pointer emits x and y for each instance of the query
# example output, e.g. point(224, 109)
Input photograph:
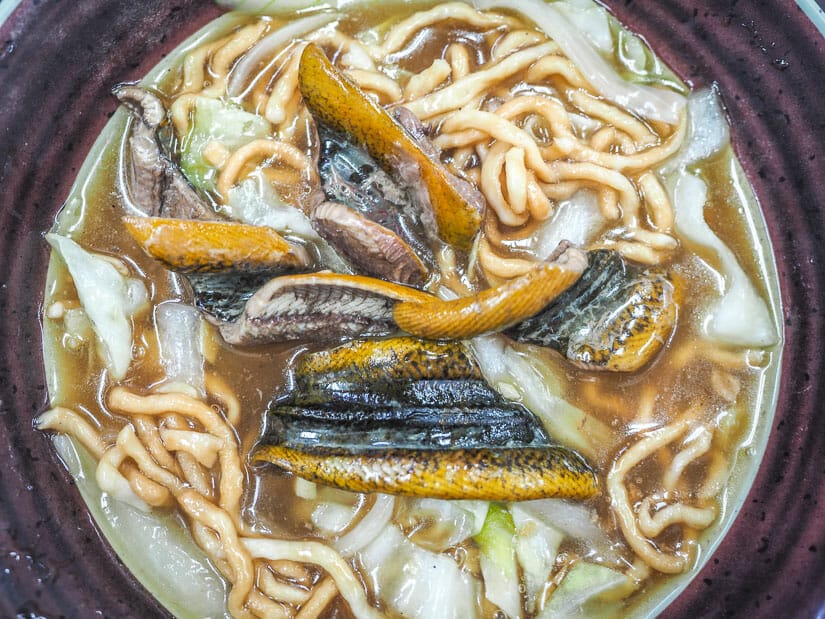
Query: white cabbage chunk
point(416, 582)
point(741, 316)
point(108, 298)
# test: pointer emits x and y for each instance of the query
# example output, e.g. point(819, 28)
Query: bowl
point(56, 70)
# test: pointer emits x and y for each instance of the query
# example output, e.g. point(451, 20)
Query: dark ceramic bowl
point(58, 62)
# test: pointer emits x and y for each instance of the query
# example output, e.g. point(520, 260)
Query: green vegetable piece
point(215, 120)
point(496, 539)
point(587, 591)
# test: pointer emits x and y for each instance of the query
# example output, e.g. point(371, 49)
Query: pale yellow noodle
point(217, 387)
point(459, 139)
point(285, 88)
point(215, 154)
point(128, 441)
point(146, 489)
point(402, 31)
point(147, 431)
point(716, 477)
point(559, 171)
point(203, 447)
point(556, 65)
point(193, 69)
point(349, 52)
point(696, 448)
point(459, 59)
point(232, 477)
point(502, 130)
point(541, 208)
point(654, 240)
point(608, 200)
point(322, 555)
point(514, 40)
point(385, 87)
point(657, 202)
point(222, 59)
point(565, 139)
point(195, 474)
point(594, 107)
point(191, 453)
point(66, 421)
point(562, 190)
point(264, 608)
point(467, 88)
point(491, 170)
point(603, 139)
point(499, 266)
point(515, 174)
point(280, 591)
point(150, 491)
point(322, 595)
point(210, 543)
point(637, 252)
point(677, 513)
point(636, 453)
point(292, 570)
point(257, 150)
point(450, 277)
point(238, 557)
point(427, 80)
point(180, 111)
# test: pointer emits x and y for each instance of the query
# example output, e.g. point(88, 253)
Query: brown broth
point(257, 375)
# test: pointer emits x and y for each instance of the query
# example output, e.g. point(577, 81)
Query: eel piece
point(616, 317)
point(373, 248)
point(386, 361)
point(408, 416)
point(338, 103)
point(186, 245)
point(496, 308)
point(516, 474)
point(322, 307)
point(154, 184)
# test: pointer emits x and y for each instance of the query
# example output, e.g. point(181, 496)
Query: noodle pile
point(510, 113)
point(525, 126)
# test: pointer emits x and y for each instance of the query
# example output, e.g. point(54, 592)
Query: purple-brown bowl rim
point(57, 67)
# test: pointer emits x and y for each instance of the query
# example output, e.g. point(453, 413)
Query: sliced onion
point(578, 220)
point(452, 521)
point(646, 101)
point(537, 546)
point(268, 46)
point(574, 520)
point(179, 334)
point(369, 527)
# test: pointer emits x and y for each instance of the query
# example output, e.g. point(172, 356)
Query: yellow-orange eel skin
point(484, 474)
point(399, 358)
point(189, 245)
point(493, 309)
point(339, 103)
point(636, 331)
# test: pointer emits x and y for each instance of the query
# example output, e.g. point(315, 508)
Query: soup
point(414, 310)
